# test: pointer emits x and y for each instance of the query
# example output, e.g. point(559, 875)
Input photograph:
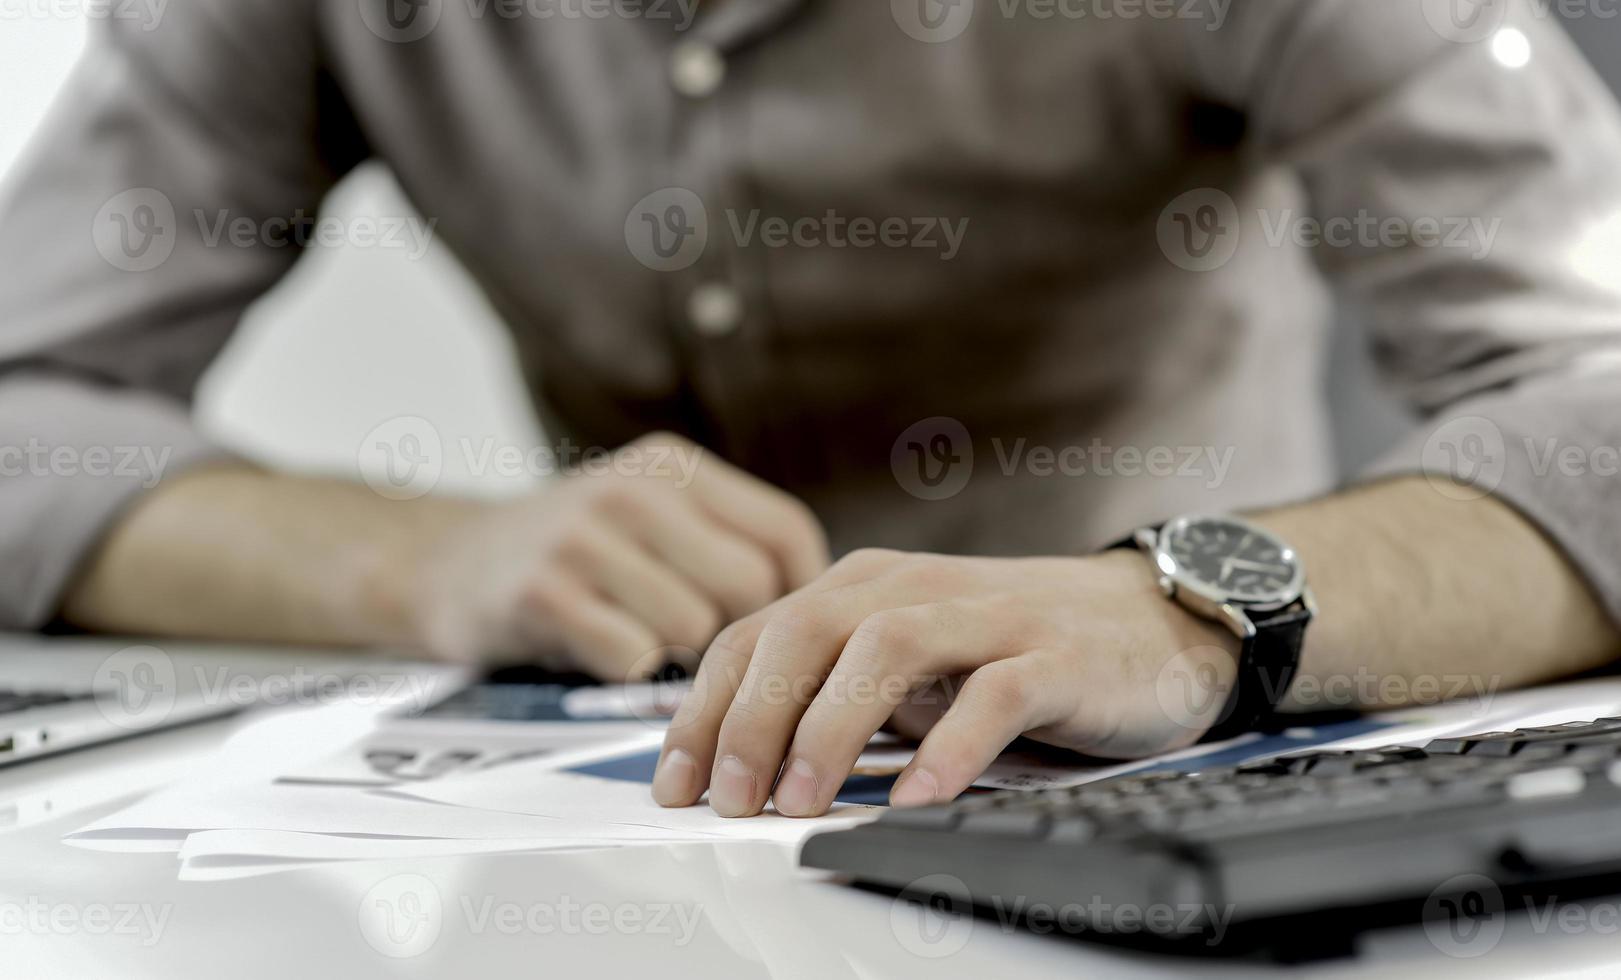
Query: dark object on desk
point(1293, 855)
point(524, 693)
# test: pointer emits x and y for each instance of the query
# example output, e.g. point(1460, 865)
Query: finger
point(688, 759)
point(998, 703)
point(919, 712)
point(603, 639)
point(740, 576)
point(665, 601)
point(688, 754)
point(892, 654)
point(792, 659)
point(763, 513)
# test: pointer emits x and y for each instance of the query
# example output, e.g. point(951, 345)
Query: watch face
point(1230, 560)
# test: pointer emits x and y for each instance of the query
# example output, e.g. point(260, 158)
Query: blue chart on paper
point(1293, 740)
point(638, 767)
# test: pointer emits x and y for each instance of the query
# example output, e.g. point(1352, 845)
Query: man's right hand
point(621, 569)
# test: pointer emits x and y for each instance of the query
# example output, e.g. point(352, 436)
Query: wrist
point(1182, 629)
point(397, 576)
point(1193, 662)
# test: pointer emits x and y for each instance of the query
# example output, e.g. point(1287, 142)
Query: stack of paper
point(328, 785)
point(331, 784)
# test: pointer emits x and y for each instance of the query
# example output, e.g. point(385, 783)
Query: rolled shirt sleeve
point(1464, 183)
point(116, 287)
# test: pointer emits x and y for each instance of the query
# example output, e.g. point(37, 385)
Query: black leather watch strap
point(1267, 663)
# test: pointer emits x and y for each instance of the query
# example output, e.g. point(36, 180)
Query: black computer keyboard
point(1231, 855)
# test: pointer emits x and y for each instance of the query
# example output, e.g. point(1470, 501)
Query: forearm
point(1423, 597)
point(239, 553)
point(618, 570)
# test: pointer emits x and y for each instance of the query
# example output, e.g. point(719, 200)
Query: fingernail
point(731, 792)
point(916, 788)
point(674, 783)
point(797, 790)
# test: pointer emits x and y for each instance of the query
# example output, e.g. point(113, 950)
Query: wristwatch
point(1227, 570)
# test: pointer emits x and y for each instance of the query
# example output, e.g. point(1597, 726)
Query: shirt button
point(715, 309)
point(696, 69)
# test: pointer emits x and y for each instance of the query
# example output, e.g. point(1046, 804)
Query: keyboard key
point(921, 818)
point(1563, 781)
point(1007, 822)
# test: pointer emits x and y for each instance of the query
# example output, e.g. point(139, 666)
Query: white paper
point(399, 755)
point(325, 810)
point(529, 788)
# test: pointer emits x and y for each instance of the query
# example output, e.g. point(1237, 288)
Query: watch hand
point(1255, 566)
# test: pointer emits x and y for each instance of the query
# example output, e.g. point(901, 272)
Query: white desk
point(751, 913)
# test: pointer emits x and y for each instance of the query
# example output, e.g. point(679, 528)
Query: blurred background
point(421, 339)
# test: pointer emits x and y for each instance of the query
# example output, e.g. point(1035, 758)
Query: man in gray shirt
point(978, 280)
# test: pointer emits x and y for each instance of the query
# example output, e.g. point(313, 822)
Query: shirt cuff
point(1551, 449)
point(73, 456)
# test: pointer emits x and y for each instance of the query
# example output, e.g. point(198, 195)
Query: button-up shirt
point(979, 276)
